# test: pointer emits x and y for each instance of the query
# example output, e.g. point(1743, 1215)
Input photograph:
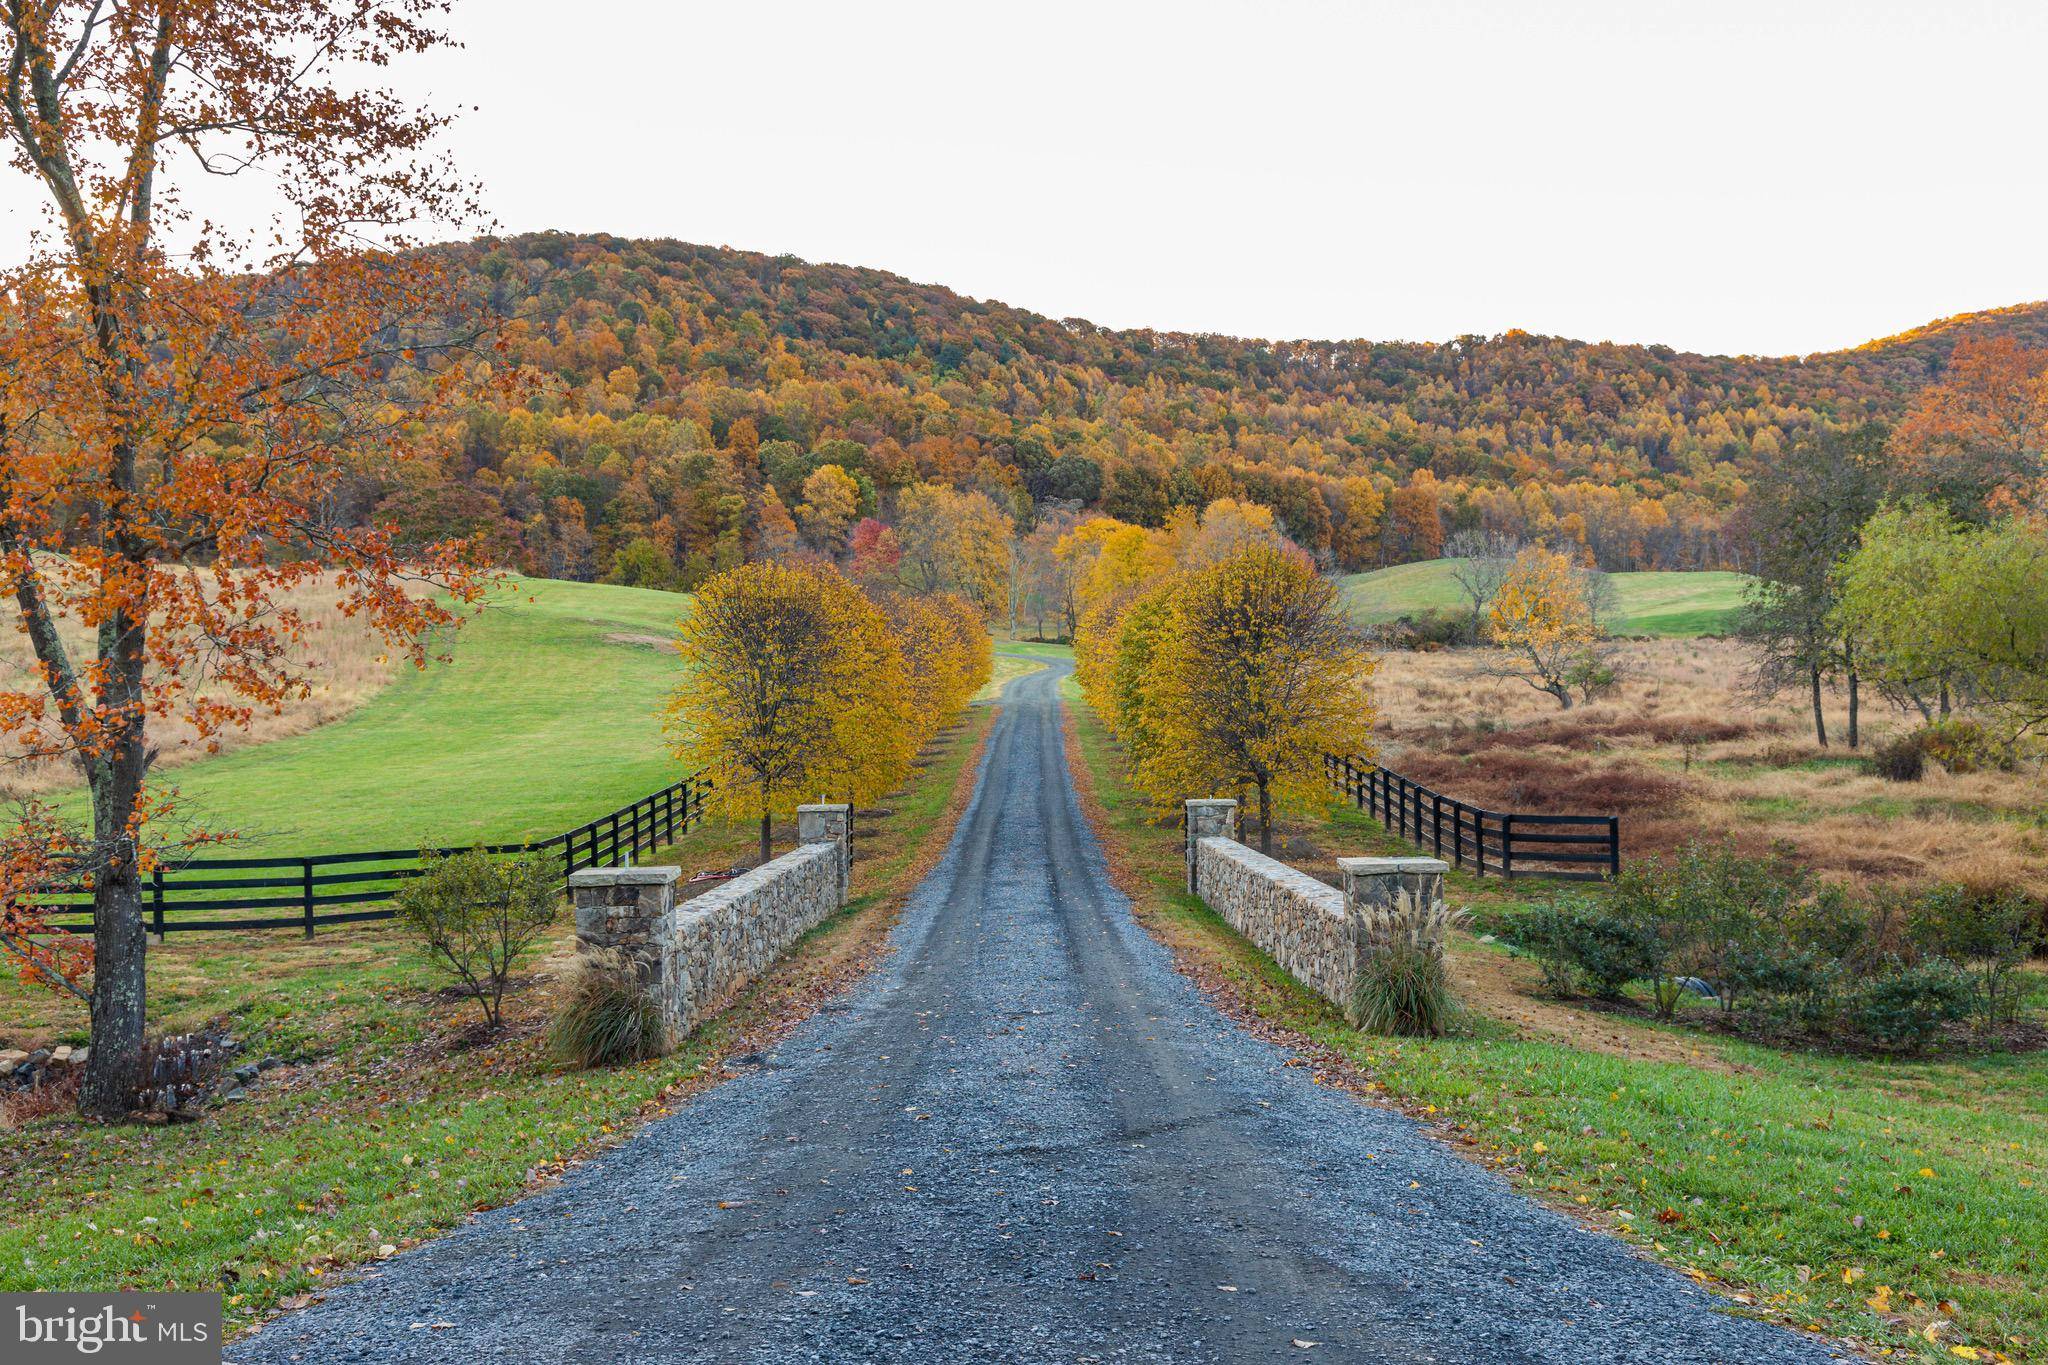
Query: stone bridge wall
point(1313, 930)
point(690, 957)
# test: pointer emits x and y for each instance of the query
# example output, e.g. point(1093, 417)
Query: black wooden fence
point(1507, 843)
point(347, 888)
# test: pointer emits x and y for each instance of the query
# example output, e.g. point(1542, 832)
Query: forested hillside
point(682, 397)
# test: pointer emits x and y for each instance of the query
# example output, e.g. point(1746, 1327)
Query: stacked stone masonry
point(1314, 931)
point(691, 957)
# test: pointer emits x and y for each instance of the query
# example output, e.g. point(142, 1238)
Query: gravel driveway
point(1024, 1138)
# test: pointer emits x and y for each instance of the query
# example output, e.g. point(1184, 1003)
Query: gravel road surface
point(1024, 1138)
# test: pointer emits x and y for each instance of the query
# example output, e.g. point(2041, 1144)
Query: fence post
point(156, 893)
point(1614, 845)
point(1436, 822)
point(1507, 845)
point(1479, 838)
point(308, 886)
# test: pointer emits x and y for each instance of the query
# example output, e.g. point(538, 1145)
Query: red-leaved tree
point(178, 403)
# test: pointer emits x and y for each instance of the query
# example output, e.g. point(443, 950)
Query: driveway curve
point(1024, 1138)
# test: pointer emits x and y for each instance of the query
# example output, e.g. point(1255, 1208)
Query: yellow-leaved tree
point(1110, 557)
point(1241, 676)
point(1544, 622)
point(795, 690)
point(954, 542)
point(947, 654)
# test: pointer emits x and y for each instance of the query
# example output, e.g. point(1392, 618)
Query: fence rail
point(1566, 847)
point(303, 892)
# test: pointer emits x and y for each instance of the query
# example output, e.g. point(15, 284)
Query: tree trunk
point(1265, 819)
point(1820, 723)
point(1944, 697)
point(120, 1002)
point(767, 824)
point(1855, 706)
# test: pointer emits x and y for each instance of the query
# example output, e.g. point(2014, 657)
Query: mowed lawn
point(1648, 603)
point(547, 717)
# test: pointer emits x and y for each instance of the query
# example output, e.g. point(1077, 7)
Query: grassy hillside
point(545, 719)
point(1651, 603)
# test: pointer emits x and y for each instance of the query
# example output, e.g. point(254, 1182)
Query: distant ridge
point(680, 382)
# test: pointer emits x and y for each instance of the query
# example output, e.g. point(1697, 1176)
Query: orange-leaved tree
point(178, 408)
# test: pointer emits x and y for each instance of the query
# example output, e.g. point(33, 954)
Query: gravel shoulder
point(1024, 1138)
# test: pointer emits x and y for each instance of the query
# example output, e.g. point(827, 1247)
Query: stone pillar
point(632, 910)
point(830, 825)
point(1380, 881)
point(1208, 818)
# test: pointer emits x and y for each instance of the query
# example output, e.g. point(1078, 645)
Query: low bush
point(1404, 984)
point(1592, 676)
point(1900, 759)
point(1428, 631)
point(606, 1018)
point(1963, 746)
point(1990, 932)
point(1583, 947)
point(478, 917)
point(1905, 1008)
point(1887, 968)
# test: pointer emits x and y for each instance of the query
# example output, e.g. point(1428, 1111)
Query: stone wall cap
point(1366, 867)
point(1212, 802)
point(826, 807)
point(625, 876)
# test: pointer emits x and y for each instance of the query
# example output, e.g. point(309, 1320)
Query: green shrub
point(1990, 931)
point(1902, 758)
point(606, 1017)
point(478, 916)
point(1546, 933)
point(1904, 1008)
point(1404, 985)
point(1610, 950)
point(1592, 677)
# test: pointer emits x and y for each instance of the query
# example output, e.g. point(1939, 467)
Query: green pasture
point(1654, 602)
point(545, 718)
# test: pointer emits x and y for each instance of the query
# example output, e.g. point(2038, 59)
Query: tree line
point(798, 686)
point(1914, 560)
point(1220, 659)
point(677, 405)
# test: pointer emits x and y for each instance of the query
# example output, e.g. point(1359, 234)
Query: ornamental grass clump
point(606, 1018)
point(1404, 984)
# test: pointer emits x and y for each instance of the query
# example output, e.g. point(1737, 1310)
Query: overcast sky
point(1776, 177)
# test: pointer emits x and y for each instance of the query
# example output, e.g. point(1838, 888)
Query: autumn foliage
point(1542, 620)
point(1232, 671)
point(174, 427)
point(800, 688)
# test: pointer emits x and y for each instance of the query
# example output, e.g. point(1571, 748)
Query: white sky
point(1720, 175)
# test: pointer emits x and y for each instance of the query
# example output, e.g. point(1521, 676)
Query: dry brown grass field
point(349, 664)
point(1683, 751)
